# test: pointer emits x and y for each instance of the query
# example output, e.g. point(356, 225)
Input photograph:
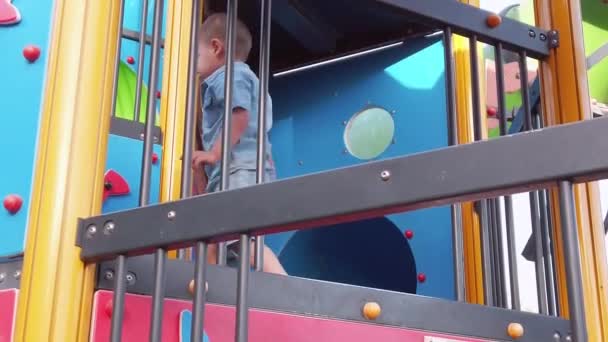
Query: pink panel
point(264, 326)
point(8, 308)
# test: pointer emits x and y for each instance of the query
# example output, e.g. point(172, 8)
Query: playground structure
point(406, 243)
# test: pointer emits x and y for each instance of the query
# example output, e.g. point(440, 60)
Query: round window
point(369, 133)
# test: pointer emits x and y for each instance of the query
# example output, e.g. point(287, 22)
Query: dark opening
point(372, 253)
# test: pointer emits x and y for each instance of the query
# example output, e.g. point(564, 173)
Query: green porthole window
point(369, 132)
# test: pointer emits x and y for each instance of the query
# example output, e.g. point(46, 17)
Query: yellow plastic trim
point(56, 287)
point(566, 99)
point(470, 219)
point(174, 90)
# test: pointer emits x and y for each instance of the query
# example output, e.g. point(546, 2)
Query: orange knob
point(515, 330)
point(493, 20)
point(191, 286)
point(371, 310)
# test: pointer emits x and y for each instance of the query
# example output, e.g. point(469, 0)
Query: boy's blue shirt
point(245, 95)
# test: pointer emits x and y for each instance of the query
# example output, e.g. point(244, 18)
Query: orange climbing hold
point(515, 330)
point(371, 310)
point(493, 20)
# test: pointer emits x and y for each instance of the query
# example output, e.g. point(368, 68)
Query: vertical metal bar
point(120, 284)
point(264, 71)
point(457, 236)
point(120, 289)
point(492, 249)
point(547, 256)
point(141, 59)
point(534, 195)
point(508, 201)
point(158, 295)
point(511, 250)
point(483, 204)
point(121, 11)
point(146, 170)
point(572, 261)
point(500, 255)
point(242, 312)
point(231, 11)
point(198, 307)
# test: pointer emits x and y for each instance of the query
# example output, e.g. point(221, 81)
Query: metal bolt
point(344, 151)
point(2, 277)
point(300, 162)
point(543, 37)
point(108, 228)
point(532, 34)
point(557, 336)
point(130, 278)
point(385, 175)
point(345, 122)
point(171, 215)
point(91, 230)
point(554, 42)
point(141, 136)
point(17, 274)
point(155, 139)
point(108, 275)
point(393, 112)
point(569, 338)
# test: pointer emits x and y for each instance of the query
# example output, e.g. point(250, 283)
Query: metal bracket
point(553, 37)
point(10, 274)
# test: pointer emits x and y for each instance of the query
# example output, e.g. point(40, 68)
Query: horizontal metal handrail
point(440, 177)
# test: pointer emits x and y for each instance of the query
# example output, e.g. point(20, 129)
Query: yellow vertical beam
point(175, 88)
point(470, 219)
point(566, 99)
point(56, 288)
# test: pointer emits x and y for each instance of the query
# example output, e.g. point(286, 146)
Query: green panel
point(595, 29)
point(125, 102)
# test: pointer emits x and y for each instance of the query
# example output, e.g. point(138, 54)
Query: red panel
point(8, 308)
point(264, 326)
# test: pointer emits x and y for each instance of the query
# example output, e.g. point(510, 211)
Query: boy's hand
point(200, 158)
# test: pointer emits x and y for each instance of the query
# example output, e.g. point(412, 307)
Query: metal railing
point(446, 176)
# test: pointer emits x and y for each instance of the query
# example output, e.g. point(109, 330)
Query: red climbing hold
point(12, 203)
point(421, 277)
point(9, 14)
point(109, 308)
point(130, 60)
point(114, 185)
point(158, 94)
point(31, 52)
point(154, 158)
point(492, 111)
point(409, 234)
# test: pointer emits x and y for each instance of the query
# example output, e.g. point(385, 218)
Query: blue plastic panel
point(125, 157)
point(311, 110)
point(20, 101)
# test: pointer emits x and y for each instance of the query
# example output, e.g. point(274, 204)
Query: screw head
point(2, 277)
point(91, 230)
point(108, 228)
point(569, 338)
point(130, 278)
point(171, 215)
point(141, 136)
point(108, 275)
point(385, 175)
point(17, 274)
point(543, 37)
point(345, 122)
point(300, 163)
point(557, 336)
point(532, 34)
point(554, 41)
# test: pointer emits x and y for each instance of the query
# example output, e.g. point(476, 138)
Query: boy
point(243, 139)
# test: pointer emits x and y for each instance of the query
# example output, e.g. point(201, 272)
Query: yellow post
point(175, 88)
point(566, 99)
point(56, 288)
point(470, 219)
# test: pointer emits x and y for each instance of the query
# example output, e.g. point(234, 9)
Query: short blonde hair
point(214, 27)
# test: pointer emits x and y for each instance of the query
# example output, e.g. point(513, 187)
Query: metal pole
point(198, 306)
point(511, 249)
point(483, 204)
point(242, 311)
point(227, 128)
point(572, 261)
point(264, 71)
point(457, 238)
point(120, 285)
point(141, 59)
point(500, 255)
point(158, 295)
point(191, 110)
point(120, 288)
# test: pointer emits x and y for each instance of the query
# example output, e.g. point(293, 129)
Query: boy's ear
point(217, 46)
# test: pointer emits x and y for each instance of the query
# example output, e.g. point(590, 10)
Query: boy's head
point(212, 44)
